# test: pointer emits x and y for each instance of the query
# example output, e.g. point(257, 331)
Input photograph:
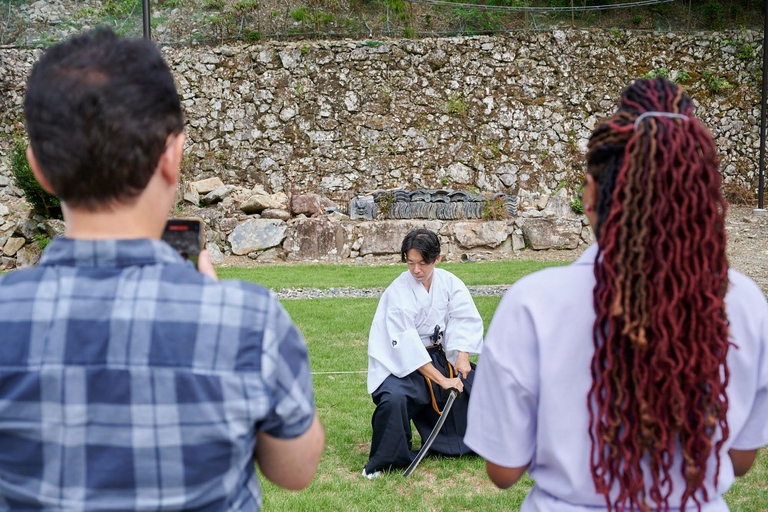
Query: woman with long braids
point(635, 379)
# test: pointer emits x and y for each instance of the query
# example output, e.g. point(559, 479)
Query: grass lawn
point(359, 276)
point(337, 331)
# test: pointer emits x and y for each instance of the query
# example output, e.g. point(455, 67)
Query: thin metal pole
point(761, 179)
point(145, 14)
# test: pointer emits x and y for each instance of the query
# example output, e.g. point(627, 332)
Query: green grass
point(336, 331)
point(332, 276)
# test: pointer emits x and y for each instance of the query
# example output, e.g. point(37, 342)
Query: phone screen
point(186, 236)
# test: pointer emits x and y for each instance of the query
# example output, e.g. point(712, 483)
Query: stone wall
point(486, 114)
point(284, 135)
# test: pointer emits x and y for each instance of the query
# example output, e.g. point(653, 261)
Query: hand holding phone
point(186, 236)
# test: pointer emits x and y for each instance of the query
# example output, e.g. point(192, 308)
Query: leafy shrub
point(713, 14)
point(42, 202)
point(299, 14)
point(716, 84)
point(683, 76)
point(456, 107)
point(657, 72)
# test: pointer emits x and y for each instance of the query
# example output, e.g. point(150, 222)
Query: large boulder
point(203, 187)
point(28, 256)
point(316, 239)
point(257, 203)
point(307, 204)
point(550, 233)
point(54, 227)
point(559, 205)
point(12, 245)
point(478, 234)
point(272, 213)
point(257, 234)
point(386, 236)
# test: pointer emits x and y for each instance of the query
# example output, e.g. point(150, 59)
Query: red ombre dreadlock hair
point(661, 334)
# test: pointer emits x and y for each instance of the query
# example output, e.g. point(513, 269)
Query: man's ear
point(437, 260)
point(170, 161)
point(39, 176)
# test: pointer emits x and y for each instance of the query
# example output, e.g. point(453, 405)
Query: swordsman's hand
point(455, 383)
point(462, 365)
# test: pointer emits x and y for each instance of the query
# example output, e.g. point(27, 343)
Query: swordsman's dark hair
point(424, 241)
point(98, 111)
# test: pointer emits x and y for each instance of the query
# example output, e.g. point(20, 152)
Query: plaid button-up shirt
point(129, 381)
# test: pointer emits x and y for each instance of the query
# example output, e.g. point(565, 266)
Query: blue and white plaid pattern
point(129, 381)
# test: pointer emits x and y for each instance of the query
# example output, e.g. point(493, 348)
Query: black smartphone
point(186, 236)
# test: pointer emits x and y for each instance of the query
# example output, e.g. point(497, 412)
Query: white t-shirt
point(406, 318)
point(529, 400)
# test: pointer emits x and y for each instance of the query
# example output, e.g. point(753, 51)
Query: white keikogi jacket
point(406, 318)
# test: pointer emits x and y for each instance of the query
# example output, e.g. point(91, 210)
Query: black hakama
point(402, 400)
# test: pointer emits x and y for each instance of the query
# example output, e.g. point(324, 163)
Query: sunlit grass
point(337, 331)
point(360, 276)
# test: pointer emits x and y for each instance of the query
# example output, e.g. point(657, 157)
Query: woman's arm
point(502, 477)
point(742, 460)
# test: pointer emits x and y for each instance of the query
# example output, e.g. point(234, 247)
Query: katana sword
point(452, 395)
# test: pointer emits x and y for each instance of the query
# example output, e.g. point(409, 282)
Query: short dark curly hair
point(98, 111)
point(424, 241)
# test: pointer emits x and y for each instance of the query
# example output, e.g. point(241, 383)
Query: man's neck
point(116, 222)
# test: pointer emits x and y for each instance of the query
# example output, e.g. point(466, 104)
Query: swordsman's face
point(418, 267)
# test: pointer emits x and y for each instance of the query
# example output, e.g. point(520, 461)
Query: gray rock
point(386, 236)
point(227, 224)
point(54, 227)
point(13, 245)
point(206, 186)
point(217, 258)
point(518, 242)
point(267, 256)
point(273, 213)
point(4, 210)
point(257, 234)
point(290, 58)
point(217, 195)
point(477, 234)
point(26, 228)
point(28, 256)
point(4, 181)
point(459, 173)
point(191, 195)
point(315, 239)
point(559, 205)
point(551, 233)
point(7, 263)
point(258, 203)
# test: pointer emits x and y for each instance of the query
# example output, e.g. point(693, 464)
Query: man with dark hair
point(426, 326)
point(128, 380)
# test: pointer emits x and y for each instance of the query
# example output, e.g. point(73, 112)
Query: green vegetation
point(683, 76)
point(716, 84)
point(334, 276)
point(336, 331)
point(576, 205)
point(495, 209)
point(42, 202)
point(300, 13)
point(456, 106)
point(213, 4)
point(386, 201)
point(663, 72)
point(42, 241)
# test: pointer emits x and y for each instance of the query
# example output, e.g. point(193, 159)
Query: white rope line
point(334, 373)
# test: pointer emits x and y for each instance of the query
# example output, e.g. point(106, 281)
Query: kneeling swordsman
point(425, 328)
